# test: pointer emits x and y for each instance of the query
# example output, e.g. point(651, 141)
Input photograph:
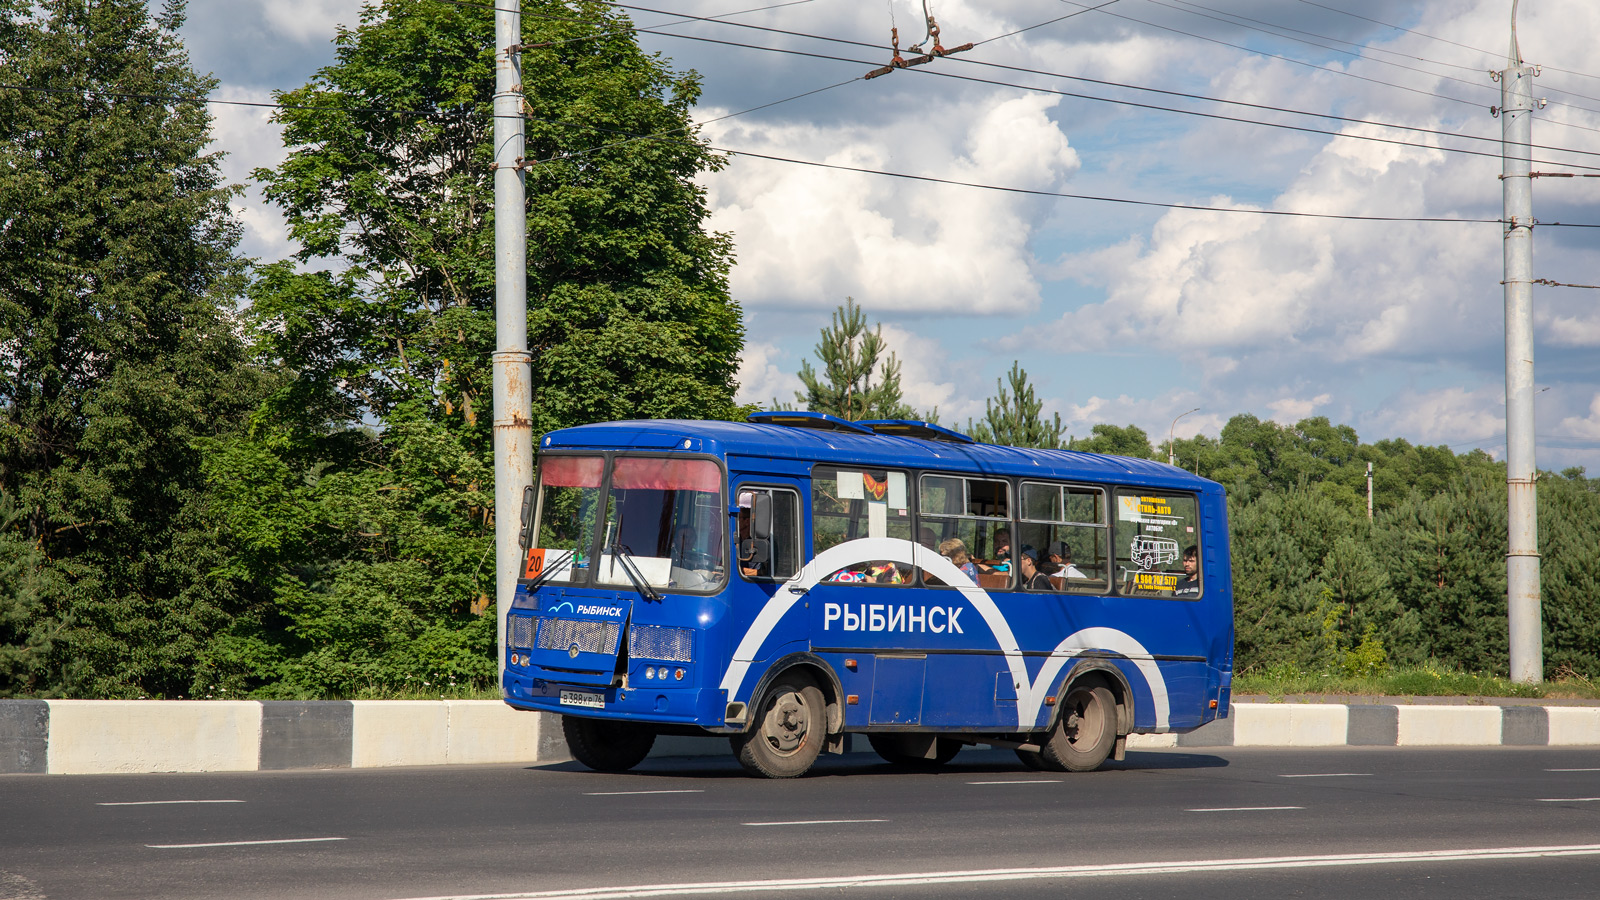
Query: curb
point(84, 737)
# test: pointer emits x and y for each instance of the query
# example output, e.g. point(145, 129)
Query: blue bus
point(797, 578)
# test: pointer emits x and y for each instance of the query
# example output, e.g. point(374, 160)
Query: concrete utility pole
point(513, 425)
point(1522, 562)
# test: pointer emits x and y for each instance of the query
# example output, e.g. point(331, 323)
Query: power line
point(1356, 54)
point(1489, 53)
point(1102, 199)
point(1131, 103)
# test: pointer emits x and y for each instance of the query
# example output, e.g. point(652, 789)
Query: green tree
point(360, 499)
point(1015, 416)
point(118, 350)
point(856, 381)
point(1128, 441)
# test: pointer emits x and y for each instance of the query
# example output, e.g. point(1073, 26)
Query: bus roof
point(748, 439)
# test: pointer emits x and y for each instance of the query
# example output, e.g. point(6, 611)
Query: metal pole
point(1522, 560)
point(1171, 460)
point(1369, 492)
point(513, 426)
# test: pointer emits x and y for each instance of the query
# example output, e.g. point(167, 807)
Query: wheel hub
point(786, 724)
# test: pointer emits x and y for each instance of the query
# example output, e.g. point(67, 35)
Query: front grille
point(656, 642)
point(522, 632)
point(590, 636)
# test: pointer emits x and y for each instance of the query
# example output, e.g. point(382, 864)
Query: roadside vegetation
point(1281, 684)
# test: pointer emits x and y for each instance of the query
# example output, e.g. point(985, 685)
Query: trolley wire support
point(935, 52)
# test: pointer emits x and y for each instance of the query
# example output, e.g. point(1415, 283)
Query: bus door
point(866, 613)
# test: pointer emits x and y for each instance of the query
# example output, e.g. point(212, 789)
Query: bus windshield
point(667, 516)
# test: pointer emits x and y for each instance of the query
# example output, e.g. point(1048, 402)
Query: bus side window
point(968, 522)
point(1066, 525)
point(856, 503)
point(778, 557)
point(1155, 532)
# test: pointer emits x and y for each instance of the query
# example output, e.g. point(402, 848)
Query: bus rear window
point(1157, 544)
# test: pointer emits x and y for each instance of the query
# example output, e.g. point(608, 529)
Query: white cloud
point(309, 21)
point(1444, 416)
point(761, 379)
point(251, 140)
point(809, 237)
point(1292, 409)
point(1585, 427)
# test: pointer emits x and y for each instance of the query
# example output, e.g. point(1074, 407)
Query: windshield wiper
point(550, 571)
point(633, 573)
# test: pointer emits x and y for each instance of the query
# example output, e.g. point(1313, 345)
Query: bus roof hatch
point(816, 420)
point(917, 429)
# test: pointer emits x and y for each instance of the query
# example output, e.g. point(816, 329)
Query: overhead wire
point(1490, 53)
point(1075, 95)
point(1358, 55)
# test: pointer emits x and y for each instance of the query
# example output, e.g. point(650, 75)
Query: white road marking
point(1031, 781)
point(1331, 775)
point(1572, 770)
point(631, 793)
point(244, 843)
point(163, 802)
point(972, 876)
point(1242, 808)
point(815, 822)
point(1567, 799)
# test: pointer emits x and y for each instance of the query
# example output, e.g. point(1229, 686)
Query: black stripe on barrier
point(24, 737)
point(306, 734)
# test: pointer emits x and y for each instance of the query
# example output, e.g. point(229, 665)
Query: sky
point(1120, 313)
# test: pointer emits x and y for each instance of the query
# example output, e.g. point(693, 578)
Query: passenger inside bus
point(1032, 578)
point(956, 551)
point(1060, 556)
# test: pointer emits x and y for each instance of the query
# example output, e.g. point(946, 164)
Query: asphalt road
point(1229, 823)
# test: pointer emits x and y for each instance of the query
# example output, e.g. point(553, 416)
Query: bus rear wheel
point(1086, 732)
point(607, 746)
point(788, 736)
point(899, 750)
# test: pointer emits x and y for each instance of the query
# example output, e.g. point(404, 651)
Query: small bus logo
point(1150, 552)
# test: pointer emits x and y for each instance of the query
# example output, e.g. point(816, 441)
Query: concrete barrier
point(104, 736)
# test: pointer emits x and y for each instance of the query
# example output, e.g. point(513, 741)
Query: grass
point(1424, 681)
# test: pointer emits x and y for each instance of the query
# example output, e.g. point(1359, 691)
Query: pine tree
point(118, 350)
point(1015, 416)
point(853, 384)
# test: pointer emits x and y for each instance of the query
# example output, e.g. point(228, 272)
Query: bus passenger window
point(1156, 532)
point(857, 504)
point(778, 557)
point(1067, 525)
point(968, 521)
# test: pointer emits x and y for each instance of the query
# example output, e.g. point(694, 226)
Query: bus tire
point(607, 746)
point(892, 747)
point(790, 729)
point(1086, 733)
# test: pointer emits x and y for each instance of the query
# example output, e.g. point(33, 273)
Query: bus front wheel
point(607, 746)
point(1086, 732)
point(789, 733)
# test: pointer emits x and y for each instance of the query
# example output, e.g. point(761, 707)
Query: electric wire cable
point(972, 61)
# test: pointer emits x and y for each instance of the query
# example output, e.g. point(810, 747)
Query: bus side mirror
point(761, 516)
point(526, 536)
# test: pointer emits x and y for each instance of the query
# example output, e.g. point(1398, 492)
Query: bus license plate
point(579, 698)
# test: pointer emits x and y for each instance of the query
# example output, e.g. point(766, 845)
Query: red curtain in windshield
point(571, 471)
point(667, 475)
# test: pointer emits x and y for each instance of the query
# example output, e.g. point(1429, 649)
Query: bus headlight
point(650, 672)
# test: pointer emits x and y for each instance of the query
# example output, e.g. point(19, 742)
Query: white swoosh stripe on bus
point(1030, 699)
point(972, 876)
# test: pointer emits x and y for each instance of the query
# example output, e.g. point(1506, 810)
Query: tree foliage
point(857, 381)
point(118, 352)
point(1015, 417)
point(360, 499)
